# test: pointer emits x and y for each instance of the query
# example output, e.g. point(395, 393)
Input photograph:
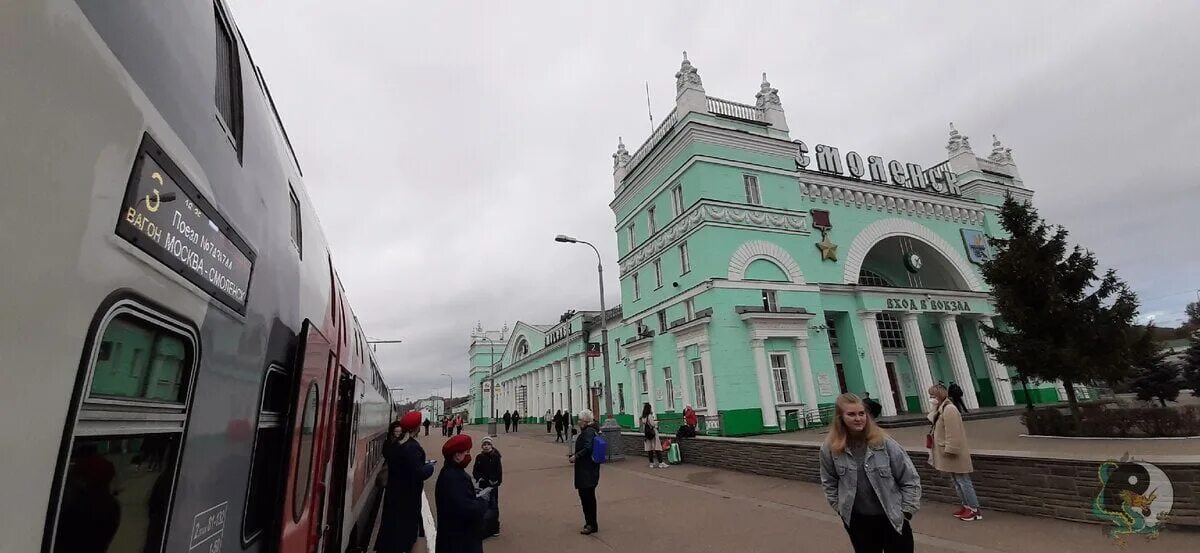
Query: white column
point(875, 352)
point(649, 388)
point(916, 358)
point(710, 383)
point(804, 380)
point(1001, 381)
point(766, 387)
point(633, 407)
point(958, 359)
point(556, 385)
point(683, 375)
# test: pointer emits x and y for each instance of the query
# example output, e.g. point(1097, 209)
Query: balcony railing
point(661, 131)
point(734, 110)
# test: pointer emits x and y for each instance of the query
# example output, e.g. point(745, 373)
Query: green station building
point(763, 273)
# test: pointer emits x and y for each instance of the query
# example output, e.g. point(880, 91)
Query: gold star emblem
point(828, 249)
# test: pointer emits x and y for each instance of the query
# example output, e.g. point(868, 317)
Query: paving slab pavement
point(700, 509)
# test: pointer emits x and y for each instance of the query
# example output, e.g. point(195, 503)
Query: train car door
point(310, 424)
point(343, 442)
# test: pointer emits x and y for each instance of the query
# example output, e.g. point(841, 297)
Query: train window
point(228, 95)
point(297, 230)
point(125, 439)
point(269, 448)
point(138, 360)
point(308, 428)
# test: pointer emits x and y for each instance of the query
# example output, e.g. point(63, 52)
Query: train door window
point(297, 230)
point(228, 95)
point(123, 446)
point(269, 447)
point(308, 428)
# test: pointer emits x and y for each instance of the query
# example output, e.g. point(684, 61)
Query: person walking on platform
point(461, 510)
point(559, 425)
point(507, 421)
point(549, 420)
point(489, 473)
point(458, 425)
point(516, 421)
point(869, 480)
point(426, 425)
point(950, 453)
point(407, 470)
point(651, 441)
point(873, 407)
point(587, 472)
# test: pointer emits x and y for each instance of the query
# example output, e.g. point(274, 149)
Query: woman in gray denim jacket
point(870, 480)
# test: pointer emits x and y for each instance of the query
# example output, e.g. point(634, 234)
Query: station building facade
point(763, 274)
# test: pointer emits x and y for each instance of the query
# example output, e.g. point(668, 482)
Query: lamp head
point(564, 238)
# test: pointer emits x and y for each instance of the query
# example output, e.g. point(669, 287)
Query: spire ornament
point(1000, 154)
point(622, 157)
point(958, 142)
point(767, 96)
point(687, 76)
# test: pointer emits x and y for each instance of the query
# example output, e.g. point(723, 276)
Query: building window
point(891, 334)
point(685, 263)
point(657, 274)
point(871, 278)
point(677, 199)
point(268, 454)
point(670, 386)
point(127, 434)
point(637, 288)
point(629, 234)
point(833, 337)
point(645, 383)
point(689, 306)
point(769, 301)
point(780, 372)
point(662, 321)
point(753, 196)
point(653, 224)
point(621, 397)
point(228, 95)
point(521, 349)
point(698, 379)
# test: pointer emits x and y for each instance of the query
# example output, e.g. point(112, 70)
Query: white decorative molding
point(777, 325)
point(761, 249)
point(880, 198)
point(709, 212)
point(885, 228)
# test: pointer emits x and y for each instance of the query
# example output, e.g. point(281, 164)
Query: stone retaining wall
point(1059, 488)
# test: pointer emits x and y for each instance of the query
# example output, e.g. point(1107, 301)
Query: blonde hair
point(839, 434)
point(939, 391)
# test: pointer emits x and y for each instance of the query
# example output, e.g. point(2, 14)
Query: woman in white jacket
point(651, 443)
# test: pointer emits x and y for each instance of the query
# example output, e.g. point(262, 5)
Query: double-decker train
point(180, 369)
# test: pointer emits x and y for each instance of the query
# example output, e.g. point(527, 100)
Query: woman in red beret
point(407, 471)
point(460, 509)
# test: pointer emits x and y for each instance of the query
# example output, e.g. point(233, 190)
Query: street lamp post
point(492, 385)
point(611, 430)
point(446, 404)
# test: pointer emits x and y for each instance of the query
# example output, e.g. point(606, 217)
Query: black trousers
point(653, 454)
point(507, 425)
point(875, 534)
point(587, 498)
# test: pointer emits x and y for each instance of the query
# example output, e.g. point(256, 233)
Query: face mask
point(466, 460)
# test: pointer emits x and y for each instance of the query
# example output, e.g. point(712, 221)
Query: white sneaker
point(663, 465)
point(653, 466)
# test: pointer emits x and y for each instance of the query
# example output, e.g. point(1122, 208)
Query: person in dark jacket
point(489, 473)
point(873, 407)
point(559, 426)
point(407, 470)
point(587, 472)
point(516, 420)
point(460, 509)
point(507, 421)
point(426, 425)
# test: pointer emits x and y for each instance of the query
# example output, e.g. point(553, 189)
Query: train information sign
point(165, 216)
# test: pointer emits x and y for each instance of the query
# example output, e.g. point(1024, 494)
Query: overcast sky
point(445, 145)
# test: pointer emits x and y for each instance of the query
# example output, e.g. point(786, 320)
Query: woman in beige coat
point(950, 453)
point(652, 444)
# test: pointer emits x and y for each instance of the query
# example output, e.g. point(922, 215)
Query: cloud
point(445, 146)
